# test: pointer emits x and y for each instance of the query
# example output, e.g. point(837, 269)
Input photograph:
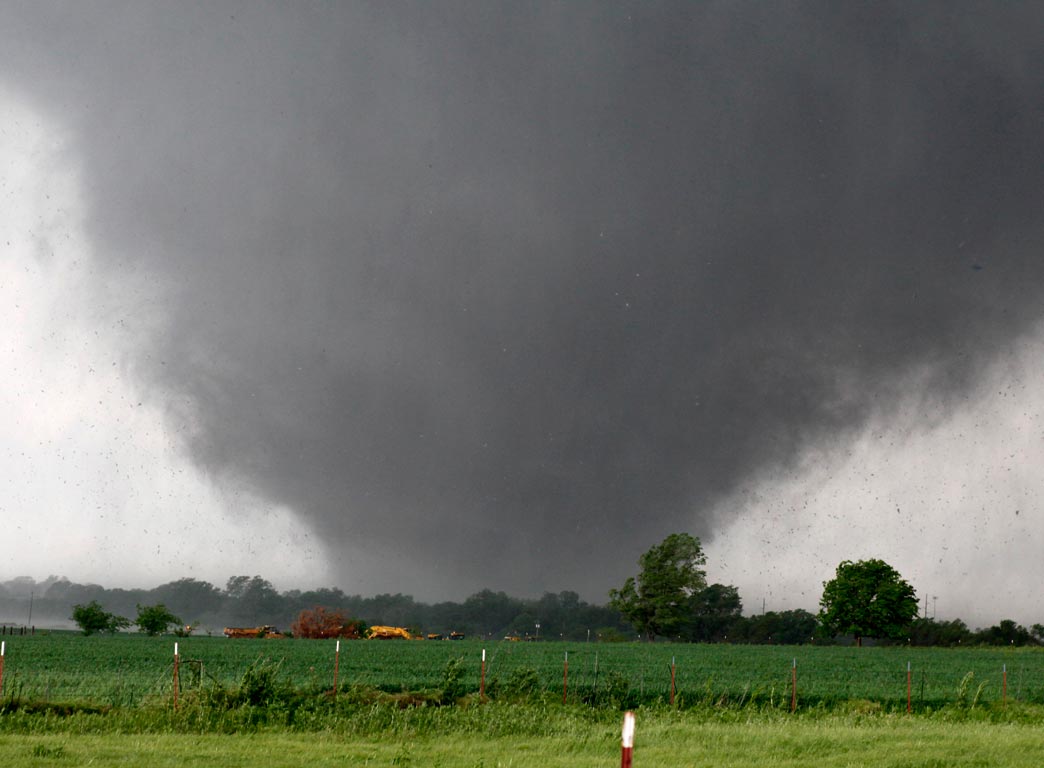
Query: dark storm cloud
point(524, 287)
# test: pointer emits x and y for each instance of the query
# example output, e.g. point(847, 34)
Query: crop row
point(126, 670)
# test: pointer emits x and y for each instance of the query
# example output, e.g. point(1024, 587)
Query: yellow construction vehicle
point(267, 631)
point(389, 633)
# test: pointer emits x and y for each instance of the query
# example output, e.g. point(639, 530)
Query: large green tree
point(253, 600)
point(91, 617)
point(155, 619)
point(660, 600)
point(867, 598)
point(712, 612)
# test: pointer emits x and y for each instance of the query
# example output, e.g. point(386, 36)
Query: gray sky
point(434, 297)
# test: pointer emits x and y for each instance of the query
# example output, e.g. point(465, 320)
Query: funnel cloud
point(498, 294)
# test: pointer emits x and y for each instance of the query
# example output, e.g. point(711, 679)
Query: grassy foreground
point(662, 739)
point(70, 700)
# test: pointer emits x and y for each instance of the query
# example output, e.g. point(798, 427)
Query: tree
point(712, 612)
point(253, 600)
point(155, 619)
point(1037, 630)
point(320, 623)
point(488, 612)
point(867, 599)
point(91, 618)
point(660, 599)
point(940, 633)
point(188, 596)
point(792, 627)
point(1007, 632)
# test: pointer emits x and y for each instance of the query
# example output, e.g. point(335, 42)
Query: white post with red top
point(627, 740)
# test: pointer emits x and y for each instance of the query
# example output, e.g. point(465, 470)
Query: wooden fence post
point(565, 677)
point(482, 679)
point(672, 681)
point(337, 664)
point(177, 681)
point(793, 686)
point(909, 689)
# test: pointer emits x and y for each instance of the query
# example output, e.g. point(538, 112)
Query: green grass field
point(662, 739)
point(128, 670)
point(108, 701)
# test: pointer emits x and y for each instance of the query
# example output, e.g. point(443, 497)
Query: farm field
point(108, 701)
point(131, 670)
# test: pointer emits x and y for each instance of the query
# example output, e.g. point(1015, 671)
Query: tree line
point(668, 599)
point(253, 601)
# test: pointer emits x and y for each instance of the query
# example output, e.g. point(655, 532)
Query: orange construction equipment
point(267, 631)
point(390, 633)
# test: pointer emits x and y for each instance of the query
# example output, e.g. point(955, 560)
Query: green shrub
point(522, 684)
point(453, 686)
